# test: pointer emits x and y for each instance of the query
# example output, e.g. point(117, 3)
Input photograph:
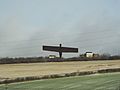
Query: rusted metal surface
point(60, 49)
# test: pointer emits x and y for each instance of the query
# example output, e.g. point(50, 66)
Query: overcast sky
point(90, 25)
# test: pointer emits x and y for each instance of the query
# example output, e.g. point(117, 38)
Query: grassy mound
point(110, 81)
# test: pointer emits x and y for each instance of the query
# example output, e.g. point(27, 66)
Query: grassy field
point(110, 81)
point(37, 69)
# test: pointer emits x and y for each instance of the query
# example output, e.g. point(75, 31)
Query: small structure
point(52, 56)
point(89, 54)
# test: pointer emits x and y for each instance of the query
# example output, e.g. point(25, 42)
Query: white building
point(51, 56)
point(89, 54)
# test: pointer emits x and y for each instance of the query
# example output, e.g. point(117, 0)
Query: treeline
point(100, 57)
point(8, 60)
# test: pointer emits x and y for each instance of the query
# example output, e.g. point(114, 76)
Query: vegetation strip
point(21, 79)
point(106, 81)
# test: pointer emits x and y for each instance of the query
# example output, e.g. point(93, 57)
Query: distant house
point(51, 56)
point(89, 54)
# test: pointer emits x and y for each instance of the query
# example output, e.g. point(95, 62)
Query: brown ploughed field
point(37, 69)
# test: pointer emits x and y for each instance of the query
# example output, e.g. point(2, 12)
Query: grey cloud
point(96, 34)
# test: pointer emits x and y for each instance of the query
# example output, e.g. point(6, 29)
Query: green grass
point(109, 81)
